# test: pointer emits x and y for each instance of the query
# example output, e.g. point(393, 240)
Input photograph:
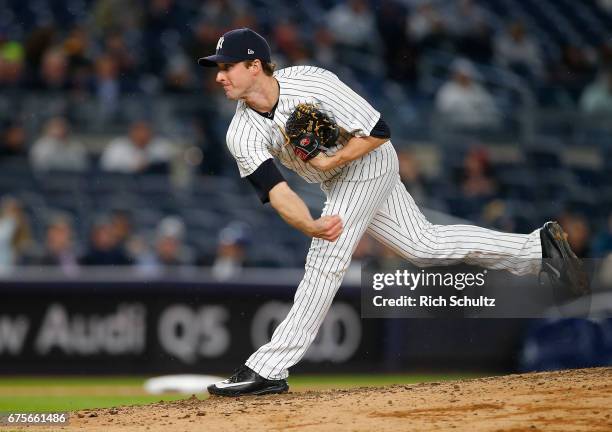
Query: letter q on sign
point(188, 334)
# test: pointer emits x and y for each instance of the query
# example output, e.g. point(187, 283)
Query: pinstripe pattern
point(385, 209)
point(356, 203)
point(400, 225)
point(369, 196)
point(252, 138)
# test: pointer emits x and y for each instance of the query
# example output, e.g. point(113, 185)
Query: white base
point(186, 384)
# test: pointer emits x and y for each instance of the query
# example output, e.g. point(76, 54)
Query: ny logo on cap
point(250, 51)
point(220, 43)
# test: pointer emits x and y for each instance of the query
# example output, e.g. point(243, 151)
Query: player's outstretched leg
point(560, 263)
point(400, 225)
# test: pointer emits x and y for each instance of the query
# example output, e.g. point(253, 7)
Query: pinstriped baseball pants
point(383, 207)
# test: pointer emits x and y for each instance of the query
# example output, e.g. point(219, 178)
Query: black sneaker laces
point(240, 374)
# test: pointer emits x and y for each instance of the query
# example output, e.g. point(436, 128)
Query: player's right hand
point(328, 228)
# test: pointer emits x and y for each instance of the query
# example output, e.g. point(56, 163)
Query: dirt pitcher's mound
point(574, 400)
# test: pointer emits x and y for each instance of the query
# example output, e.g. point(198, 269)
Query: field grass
point(52, 394)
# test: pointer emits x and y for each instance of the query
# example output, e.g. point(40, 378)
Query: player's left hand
point(322, 162)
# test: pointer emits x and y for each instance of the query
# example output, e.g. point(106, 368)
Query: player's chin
point(231, 94)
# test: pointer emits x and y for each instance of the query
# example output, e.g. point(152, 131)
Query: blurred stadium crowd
point(112, 139)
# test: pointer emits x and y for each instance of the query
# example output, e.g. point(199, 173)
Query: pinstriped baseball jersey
point(369, 197)
point(253, 138)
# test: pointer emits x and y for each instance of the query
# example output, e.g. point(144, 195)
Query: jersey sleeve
point(351, 111)
point(247, 145)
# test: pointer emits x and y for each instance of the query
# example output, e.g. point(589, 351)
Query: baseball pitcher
point(314, 124)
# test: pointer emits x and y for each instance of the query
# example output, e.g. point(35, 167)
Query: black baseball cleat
point(247, 382)
point(564, 269)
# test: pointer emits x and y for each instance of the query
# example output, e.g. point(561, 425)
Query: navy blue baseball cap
point(236, 46)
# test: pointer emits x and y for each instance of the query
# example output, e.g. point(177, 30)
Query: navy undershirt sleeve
point(381, 130)
point(264, 178)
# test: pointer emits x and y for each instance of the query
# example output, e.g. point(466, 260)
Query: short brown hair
point(268, 68)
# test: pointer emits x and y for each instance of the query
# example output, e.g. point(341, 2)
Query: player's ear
point(255, 65)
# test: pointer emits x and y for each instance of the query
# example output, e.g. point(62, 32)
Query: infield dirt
point(572, 400)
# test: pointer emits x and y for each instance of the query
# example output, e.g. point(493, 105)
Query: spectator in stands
point(204, 36)
point(13, 142)
point(427, 27)
point(36, 44)
point(223, 13)
point(463, 102)
point(288, 42)
point(597, 97)
point(464, 17)
point(478, 45)
point(209, 143)
point(477, 185)
point(605, 55)
point(469, 26)
point(12, 67)
point(15, 233)
point(59, 246)
point(354, 28)
point(179, 77)
point(53, 74)
point(106, 87)
point(170, 250)
point(516, 50)
point(215, 18)
point(411, 175)
point(477, 180)
point(231, 251)
point(117, 15)
point(323, 50)
point(123, 228)
point(573, 71)
point(203, 39)
point(578, 232)
point(602, 243)
point(162, 18)
point(400, 52)
point(125, 59)
point(77, 47)
point(497, 215)
point(57, 150)
point(139, 152)
point(104, 248)
point(606, 5)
